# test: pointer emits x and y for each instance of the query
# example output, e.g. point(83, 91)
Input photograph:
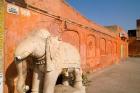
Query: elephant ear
point(53, 53)
point(54, 46)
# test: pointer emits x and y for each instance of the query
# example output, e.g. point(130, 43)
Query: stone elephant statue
point(50, 56)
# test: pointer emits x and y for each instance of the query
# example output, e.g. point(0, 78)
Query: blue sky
point(109, 12)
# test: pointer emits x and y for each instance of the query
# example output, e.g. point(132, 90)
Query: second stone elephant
point(50, 56)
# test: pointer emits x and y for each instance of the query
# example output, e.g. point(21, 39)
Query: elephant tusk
point(18, 58)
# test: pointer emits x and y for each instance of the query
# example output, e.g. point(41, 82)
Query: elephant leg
point(36, 83)
point(65, 77)
point(50, 80)
point(78, 78)
point(78, 81)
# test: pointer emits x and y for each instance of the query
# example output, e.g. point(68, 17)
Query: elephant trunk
point(22, 72)
point(23, 50)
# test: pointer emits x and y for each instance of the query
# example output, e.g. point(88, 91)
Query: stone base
point(68, 89)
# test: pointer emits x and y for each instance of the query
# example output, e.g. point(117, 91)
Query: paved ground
point(119, 78)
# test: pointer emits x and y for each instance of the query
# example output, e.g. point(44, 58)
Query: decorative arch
point(91, 46)
point(102, 46)
point(114, 48)
point(109, 47)
point(71, 37)
point(91, 51)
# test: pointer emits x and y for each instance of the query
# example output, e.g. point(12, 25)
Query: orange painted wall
point(98, 48)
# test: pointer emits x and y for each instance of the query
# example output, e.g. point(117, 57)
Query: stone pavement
point(68, 89)
point(119, 78)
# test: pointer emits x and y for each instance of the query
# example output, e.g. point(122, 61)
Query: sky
point(109, 12)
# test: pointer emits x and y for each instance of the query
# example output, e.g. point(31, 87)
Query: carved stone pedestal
point(68, 89)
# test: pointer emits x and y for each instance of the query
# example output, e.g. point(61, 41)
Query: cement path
point(119, 78)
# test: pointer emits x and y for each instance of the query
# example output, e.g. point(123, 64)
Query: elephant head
point(33, 45)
